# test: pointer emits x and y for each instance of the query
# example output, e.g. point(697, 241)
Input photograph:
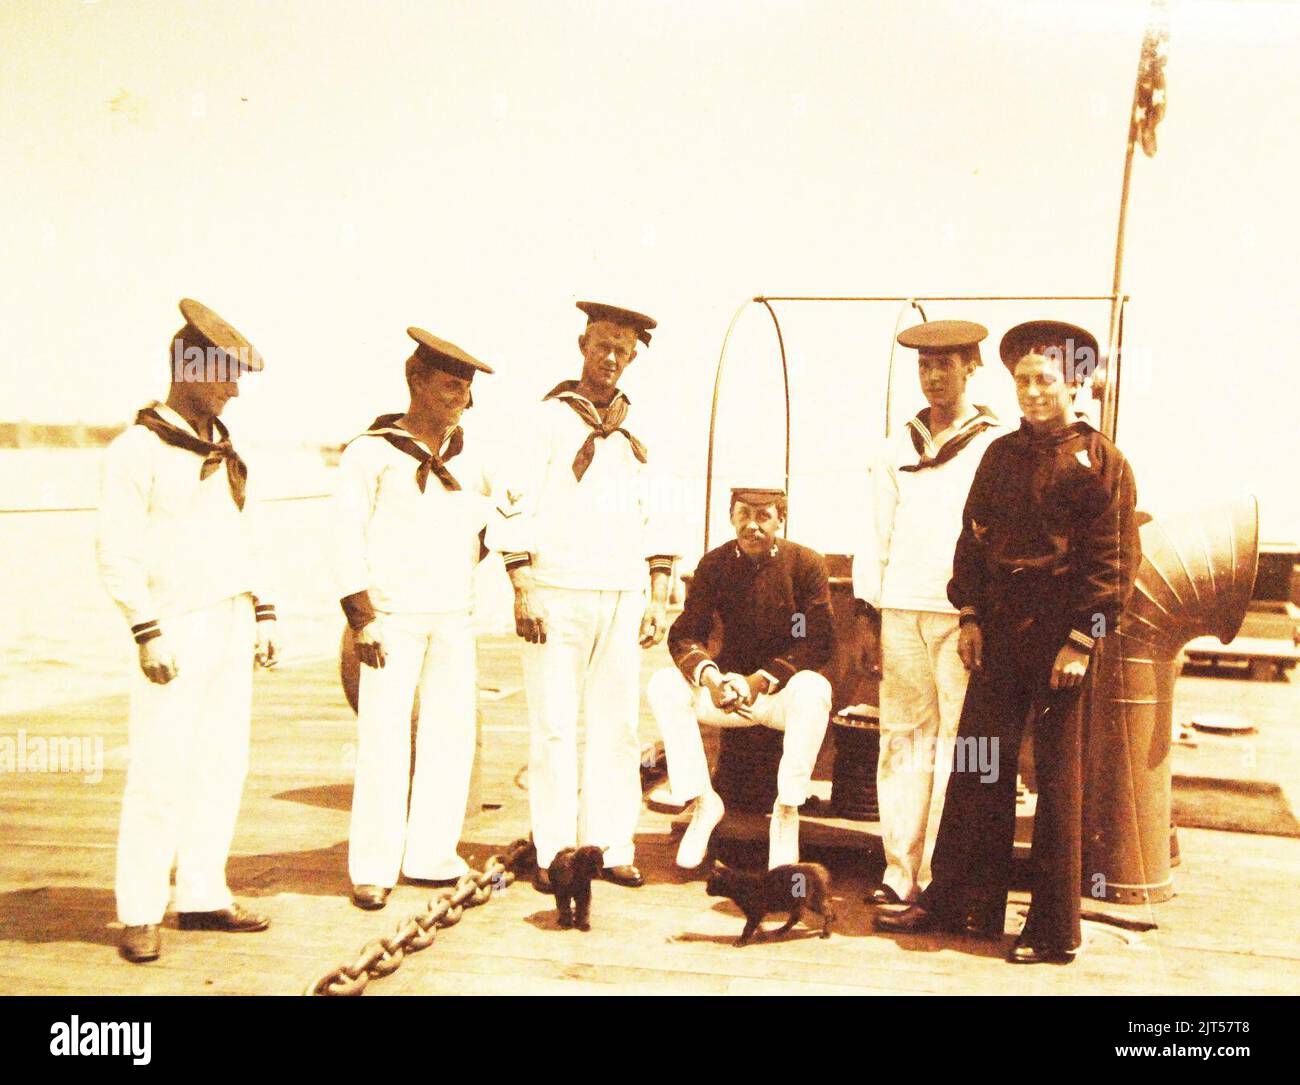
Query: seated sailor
point(772, 598)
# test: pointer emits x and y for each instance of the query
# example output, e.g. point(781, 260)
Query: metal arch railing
point(1108, 374)
point(713, 410)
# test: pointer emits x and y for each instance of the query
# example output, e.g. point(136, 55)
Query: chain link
point(381, 957)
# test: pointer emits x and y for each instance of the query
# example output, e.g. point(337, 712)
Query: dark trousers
point(974, 849)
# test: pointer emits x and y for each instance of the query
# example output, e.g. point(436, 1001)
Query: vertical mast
point(1147, 112)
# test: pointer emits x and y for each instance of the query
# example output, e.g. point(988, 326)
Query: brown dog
point(571, 873)
point(790, 888)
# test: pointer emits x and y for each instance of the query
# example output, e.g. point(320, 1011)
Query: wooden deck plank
point(1230, 928)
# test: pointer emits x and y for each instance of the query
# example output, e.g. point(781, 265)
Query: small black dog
point(571, 873)
point(790, 888)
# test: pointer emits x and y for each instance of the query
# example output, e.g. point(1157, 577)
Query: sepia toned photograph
point(642, 497)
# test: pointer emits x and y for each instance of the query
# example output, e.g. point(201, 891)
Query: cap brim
point(628, 318)
point(935, 335)
point(1042, 334)
point(203, 324)
point(452, 358)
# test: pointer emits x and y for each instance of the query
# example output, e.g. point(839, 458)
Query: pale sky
point(324, 174)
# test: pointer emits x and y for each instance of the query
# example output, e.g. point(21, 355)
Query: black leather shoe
point(1029, 953)
point(911, 920)
point(235, 919)
point(542, 881)
point(140, 944)
point(370, 898)
point(882, 894)
point(625, 875)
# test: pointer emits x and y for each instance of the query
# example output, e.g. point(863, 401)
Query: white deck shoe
point(783, 836)
point(695, 841)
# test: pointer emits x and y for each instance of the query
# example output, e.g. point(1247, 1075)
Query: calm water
point(63, 640)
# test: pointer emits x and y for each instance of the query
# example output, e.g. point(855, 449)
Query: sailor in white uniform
point(581, 541)
point(177, 552)
point(411, 506)
point(900, 574)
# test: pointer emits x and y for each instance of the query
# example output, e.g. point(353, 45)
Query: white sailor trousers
point(188, 759)
point(590, 664)
point(923, 685)
point(801, 708)
point(436, 654)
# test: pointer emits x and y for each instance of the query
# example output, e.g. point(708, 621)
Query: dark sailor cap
point(629, 318)
point(1039, 336)
point(203, 328)
point(756, 496)
point(942, 335)
point(446, 356)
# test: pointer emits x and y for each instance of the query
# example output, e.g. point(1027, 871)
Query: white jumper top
point(904, 561)
point(595, 534)
point(413, 552)
point(168, 542)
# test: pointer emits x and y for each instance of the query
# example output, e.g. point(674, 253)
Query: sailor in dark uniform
point(1043, 567)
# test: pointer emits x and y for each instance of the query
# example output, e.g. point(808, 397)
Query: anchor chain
point(383, 956)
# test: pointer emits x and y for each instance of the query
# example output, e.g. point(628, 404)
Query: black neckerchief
point(214, 453)
point(601, 427)
point(919, 430)
point(387, 427)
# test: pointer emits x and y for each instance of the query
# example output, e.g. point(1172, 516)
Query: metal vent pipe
point(1196, 579)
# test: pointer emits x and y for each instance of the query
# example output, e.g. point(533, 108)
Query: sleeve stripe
point(691, 662)
point(1081, 639)
point(517, 558)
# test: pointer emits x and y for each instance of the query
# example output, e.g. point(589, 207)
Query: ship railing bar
point(941, 297)
point(92, 508)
